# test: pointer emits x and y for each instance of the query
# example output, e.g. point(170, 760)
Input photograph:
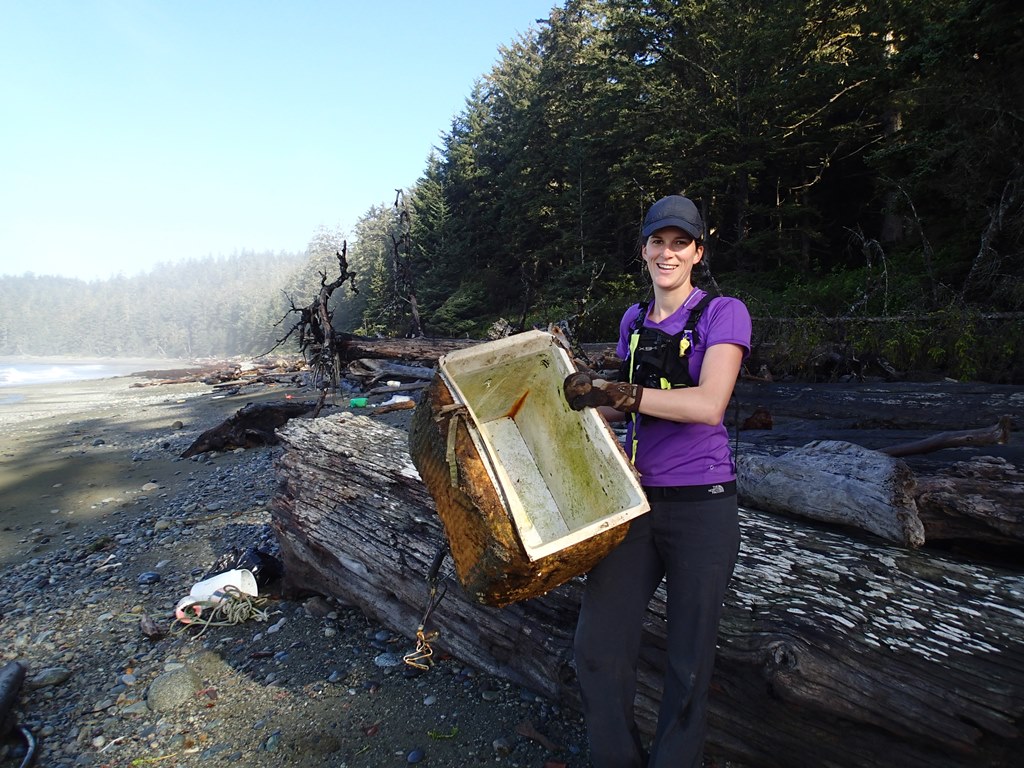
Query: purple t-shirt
point(672, 453)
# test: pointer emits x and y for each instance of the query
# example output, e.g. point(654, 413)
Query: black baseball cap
point(674, 211)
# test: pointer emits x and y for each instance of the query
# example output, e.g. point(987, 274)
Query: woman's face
point(670, 254)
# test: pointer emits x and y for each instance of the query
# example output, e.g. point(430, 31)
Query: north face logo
point(716, 489)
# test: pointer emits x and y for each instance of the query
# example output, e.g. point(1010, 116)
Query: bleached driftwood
point(979, 501)
point(835, 650)
point(998, 434)
point(370, 371)
point(834, 482)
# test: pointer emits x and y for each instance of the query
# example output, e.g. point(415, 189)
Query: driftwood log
point(999, 434)
point(835, 648)
point(369, 371)
point(250, 426)
point(427, 350)
point(421, 349)
point(980, 500)
point(834, 482)
point(225, 374)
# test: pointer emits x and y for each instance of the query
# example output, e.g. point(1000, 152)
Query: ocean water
point(25, 373)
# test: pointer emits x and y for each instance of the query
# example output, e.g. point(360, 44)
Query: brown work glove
point(586, 389)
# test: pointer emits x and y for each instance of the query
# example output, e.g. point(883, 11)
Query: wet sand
point(75, 453)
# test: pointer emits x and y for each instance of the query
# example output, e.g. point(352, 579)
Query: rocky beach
point(104, 528)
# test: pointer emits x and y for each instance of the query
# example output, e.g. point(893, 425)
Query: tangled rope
point(422, 656)
point(235, 607)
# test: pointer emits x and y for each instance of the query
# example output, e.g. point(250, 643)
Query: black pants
point(693, 545)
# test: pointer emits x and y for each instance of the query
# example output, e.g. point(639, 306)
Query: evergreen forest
point(860, 166)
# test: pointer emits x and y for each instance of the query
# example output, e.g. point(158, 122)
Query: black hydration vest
point(657, 359)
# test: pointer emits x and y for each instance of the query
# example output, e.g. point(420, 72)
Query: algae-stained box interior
point(531, 492)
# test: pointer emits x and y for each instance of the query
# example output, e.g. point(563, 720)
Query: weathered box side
point(530, 492)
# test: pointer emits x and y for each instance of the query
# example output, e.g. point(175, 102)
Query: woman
point(682, 354)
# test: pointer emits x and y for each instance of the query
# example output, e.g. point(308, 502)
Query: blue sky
point(134, 132)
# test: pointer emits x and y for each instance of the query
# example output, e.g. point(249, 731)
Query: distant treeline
point(863, 160)
point(198, 308)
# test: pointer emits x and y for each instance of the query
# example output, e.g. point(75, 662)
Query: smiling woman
point(682, 356)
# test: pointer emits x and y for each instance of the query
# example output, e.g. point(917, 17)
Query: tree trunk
point(980, 500)
point(835, 650)
point(420, 349)
point(834, 482)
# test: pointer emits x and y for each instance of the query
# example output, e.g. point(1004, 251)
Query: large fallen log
point(421, 349)
point(369, 371)
point(980, 500)
point(427, 350)
point(250, 426)
point(834, 482)
point(834, 650)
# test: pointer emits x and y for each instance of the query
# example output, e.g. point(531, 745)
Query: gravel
point(114, 680)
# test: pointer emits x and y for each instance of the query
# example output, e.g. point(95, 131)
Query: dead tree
point(315, 326)
point(401, 248)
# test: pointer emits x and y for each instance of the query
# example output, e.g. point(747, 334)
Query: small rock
point(272, 741)
point(49, 676)
point(317, 607)
point(172, 689)
point(137, 708)
point(148, 578)
point(387, 660)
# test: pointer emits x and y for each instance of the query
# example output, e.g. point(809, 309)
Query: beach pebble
point(272, 741)
point(112, 695)
point(172, 689)
point(317, 607)
point(44, 678)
